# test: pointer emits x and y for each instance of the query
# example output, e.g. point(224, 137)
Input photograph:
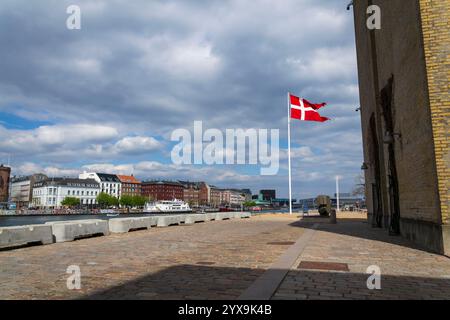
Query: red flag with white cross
point(304, 110)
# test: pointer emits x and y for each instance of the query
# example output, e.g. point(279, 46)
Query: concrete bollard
point(224, 215)
point(241, 215)
point(245, 215)
point(23, 235)
point(122, 225)
point(70, 230)
point(211, 216)
point(165, 221)
point(194, 218)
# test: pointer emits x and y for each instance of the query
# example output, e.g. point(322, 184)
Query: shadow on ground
point(190, 282)
point(358, 228)
point(315, 285)
point(201, 282)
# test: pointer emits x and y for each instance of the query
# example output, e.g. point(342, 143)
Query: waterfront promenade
point(223, 259)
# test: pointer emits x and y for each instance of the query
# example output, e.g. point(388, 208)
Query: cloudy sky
point(107, 97)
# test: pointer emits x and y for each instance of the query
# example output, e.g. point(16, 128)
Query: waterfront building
point(162, 190)
point(347, 200)
point(22, 189)
point(109, 183)
point(308, 203)
point(204, 194)
point(130, 186)
point(215, 196)
point(403, 71)
point(232, 197)
point(5, 173)
point(191, 192)
point(247, 194)
point(50, 193)
point(267, 195)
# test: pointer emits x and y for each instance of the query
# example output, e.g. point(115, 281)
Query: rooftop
point(108, 177)
point(127, 179)
point(70, 182)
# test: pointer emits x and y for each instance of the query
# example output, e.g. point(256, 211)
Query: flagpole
point(289, 152)
point(337, 194)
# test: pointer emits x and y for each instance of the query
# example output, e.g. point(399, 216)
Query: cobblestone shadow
point(359, 228)
point(185, 282)
point(194, 282)
point(316, 285)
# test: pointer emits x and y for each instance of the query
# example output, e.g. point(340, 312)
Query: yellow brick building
point(404, 73)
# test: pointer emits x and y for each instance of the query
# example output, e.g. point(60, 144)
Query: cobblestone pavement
point(219, 260)
point(213, 260)
point(406, 271)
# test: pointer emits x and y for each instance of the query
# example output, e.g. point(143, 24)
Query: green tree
point(105, 200)
point(249, 204)
point(139, 201)
point(70, 202)
point(126, 201)
point(113, 201)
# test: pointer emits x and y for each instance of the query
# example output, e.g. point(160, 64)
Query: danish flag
point(304, 110)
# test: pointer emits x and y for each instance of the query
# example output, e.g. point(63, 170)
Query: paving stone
point(407, 272)
point(159, 263)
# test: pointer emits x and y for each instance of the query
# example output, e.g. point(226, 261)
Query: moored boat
point(167, 206)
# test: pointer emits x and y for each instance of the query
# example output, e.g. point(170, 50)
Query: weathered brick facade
point(403, 71)
point(435, 16)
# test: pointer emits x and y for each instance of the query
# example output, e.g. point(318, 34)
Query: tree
point(106, 200)
point(126, 201)
point(103, 199)
point(139, 201)
point(249, 204)
point(360, 187)
point(70, 202)
point(113, 201)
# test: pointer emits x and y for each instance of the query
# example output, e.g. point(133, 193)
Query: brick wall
point(435, 16)
point(397, 50)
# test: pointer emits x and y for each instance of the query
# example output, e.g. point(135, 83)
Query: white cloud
point(140, 70)
point(137, 145)
point(54, 136)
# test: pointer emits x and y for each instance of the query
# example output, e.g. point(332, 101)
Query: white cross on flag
point(304, 110)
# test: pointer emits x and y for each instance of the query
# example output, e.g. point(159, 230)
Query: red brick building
point(209, 195)
point(203, 194)
point(191, 192)
point(130, 186)
point(162, 190)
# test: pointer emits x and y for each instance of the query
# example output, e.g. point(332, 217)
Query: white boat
point(166, 206)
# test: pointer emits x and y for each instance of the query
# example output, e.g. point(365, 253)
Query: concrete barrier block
point(165, 221)
point(210, 216)
point(194, 218)
point(224, 215)
point(71, 230)
point(22, 235)
point(122, 225)
point(241, 215)
point(246, 215)
point(152, 221)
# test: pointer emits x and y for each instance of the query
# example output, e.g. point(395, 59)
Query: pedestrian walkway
point(230, 260)
point(347, 249)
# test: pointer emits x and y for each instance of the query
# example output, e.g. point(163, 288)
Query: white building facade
point(50, 193)
point(21, 192)
point(232, 197)
point(109, 183)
